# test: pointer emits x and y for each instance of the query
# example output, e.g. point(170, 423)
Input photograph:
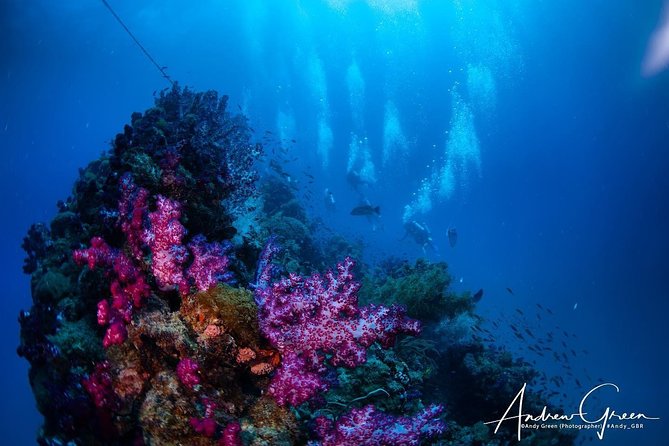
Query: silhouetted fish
point(509, 290)
point(452, 237)
point(477, 296)
point(366, 209)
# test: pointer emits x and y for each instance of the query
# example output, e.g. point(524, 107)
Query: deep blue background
point(571, 203)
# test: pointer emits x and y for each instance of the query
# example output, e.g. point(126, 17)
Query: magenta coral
point(307, 319)
point(116, 334)
point(99, 386)
point(210, 264)
point(132, 208)
point(368, 426)
point(104, 312)
point(231, 435)
point(188, 372)
point(207, 425)
point(294, 382)
point(162, 233)
point(128, 288)
point(164, 239)
point(204, 426)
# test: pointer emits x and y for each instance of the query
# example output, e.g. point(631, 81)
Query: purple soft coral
point(164, 239)
point(99, 386)
point(162, 232)
point(132, 208)
point(128, 288)
point(210, 264)
point(305, 319)
point(188, 372)
point(367, 426)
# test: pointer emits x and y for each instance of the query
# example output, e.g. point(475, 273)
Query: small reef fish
point(366, 209)
point(509, 290)
point(477, 296)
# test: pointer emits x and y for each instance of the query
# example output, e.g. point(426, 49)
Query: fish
point(477, 296)
point(509, 290)
point(452, 237)
point(520, 311)
point(366, 209)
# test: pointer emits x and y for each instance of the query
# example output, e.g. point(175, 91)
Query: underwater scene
point(335, 222)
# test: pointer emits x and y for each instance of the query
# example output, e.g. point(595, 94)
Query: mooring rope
point(141, 47)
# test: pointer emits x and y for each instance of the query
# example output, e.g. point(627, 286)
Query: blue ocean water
point(526, 125)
